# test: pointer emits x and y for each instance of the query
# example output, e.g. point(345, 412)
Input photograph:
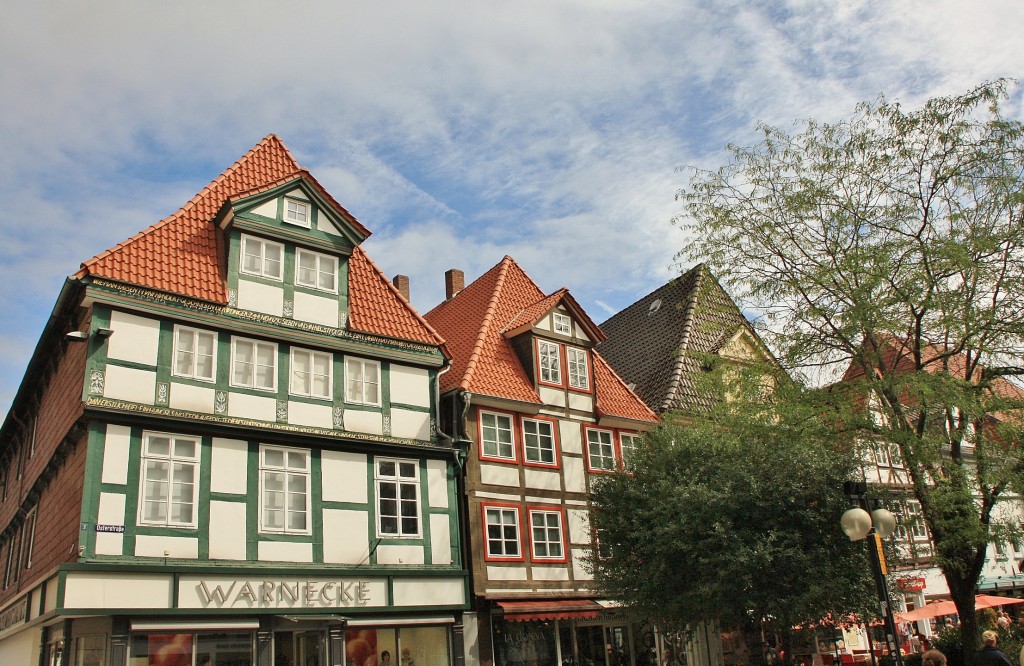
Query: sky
point(458, 132)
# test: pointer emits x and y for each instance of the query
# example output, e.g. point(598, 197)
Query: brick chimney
point(401, 283)
point(454, 282)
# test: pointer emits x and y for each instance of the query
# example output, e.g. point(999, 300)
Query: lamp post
point(858, 524)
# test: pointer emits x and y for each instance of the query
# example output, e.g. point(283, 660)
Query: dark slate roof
point(660, 348)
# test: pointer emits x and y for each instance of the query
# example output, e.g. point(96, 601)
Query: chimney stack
point(454, 282)
point(401, 283)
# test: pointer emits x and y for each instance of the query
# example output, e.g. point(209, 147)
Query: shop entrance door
point(299, 648)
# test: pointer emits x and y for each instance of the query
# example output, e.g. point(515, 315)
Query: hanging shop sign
point(910, 584)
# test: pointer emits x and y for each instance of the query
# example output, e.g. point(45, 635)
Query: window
point(296, 212)
point(578, 376)
point(262, 257)
point(362, 385)
point(600, 451)
point(398, 498)
point(628, 444)
point(169, 480)
point(284, 490)
point(29, 542)
point(550, 364)
point(194, 353)
point(539, 442)
point(562, 324)
point(602, 544)
point(910, 524)
point(317, 271)
point(311, 373)
point(253, 364)
point(502, 526)
point(496, 438)
point(11, 566)
point(546, 532)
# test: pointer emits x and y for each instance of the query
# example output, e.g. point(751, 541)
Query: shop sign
point(14, 615)
point(283, 592)
point(910, 584)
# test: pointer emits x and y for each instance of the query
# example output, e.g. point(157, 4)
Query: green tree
point(890, 247)
point(734, 516)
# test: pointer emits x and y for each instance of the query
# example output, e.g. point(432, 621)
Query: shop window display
point(191, 650)
point(419, 646)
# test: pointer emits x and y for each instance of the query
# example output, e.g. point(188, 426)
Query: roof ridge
point(485, 326)
point(691, 304)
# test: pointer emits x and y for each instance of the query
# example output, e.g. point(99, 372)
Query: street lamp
point(858, 524)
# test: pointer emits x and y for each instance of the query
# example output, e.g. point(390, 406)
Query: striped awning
point(551, 609)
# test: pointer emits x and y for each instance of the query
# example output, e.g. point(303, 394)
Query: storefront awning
point(197, 624)
point(566, 609)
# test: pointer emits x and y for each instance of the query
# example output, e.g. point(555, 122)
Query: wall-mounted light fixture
point(76, 336)
point(104, 332)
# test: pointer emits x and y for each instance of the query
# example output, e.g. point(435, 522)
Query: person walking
point(989, 654)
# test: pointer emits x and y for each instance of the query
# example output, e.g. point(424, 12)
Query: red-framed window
point(502, 541)
point(549, 363)
point(563, 366)
point(578, 369)
point(629, 442)
point(600, 449)
point(496, 434)
point(547, 534)
point(540, 441)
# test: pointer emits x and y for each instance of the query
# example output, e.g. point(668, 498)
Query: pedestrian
point(989, 654)
point(933, 658)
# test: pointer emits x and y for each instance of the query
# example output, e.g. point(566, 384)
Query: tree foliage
point(890, 247)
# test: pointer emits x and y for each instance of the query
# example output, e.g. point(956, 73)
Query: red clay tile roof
point(484, 362)
point(534, 313)
point(181, 254)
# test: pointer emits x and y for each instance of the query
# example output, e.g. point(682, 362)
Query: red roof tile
point(614, 398)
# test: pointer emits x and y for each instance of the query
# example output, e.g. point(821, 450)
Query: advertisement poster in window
point(361, 647)
point(170, 650)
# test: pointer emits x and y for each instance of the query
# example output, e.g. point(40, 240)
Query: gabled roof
point(183, 254)
point(532, 314)
point(659, 343)
point(474, 324)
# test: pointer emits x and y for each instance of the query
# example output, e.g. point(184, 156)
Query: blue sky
point(458, 132)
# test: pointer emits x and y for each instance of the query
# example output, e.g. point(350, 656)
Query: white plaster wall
point(345, 537)
point(570, 436)
point(400, 554)
point(437, 484)
point(360, 421)
point(227, 530)
point(410, 386)
point(135, 338)
point(191, 398)
point(506, 573)
point(552, 396)
point(581, 402)
point(574, 474)
point(316, 309)
point(184, 548)
point(110, 512)
point(344, 477)
point(245, 406)
point(267, 209)
point(309, 414)
point(545, 323)
point(129, 384)
point(259, 297)
point(440, 539)
point(542, 479)
point(21, 648)
point(428, 591)
point(550, 573)
point(229, 459)
point(579, 526)
point(281, 551)
point(411, 425)
point(579, 332)
point(117, 590)
point(499, 475)
point(580, 565)
point(116, 445)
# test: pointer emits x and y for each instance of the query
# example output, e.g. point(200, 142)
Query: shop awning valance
point(558, 609)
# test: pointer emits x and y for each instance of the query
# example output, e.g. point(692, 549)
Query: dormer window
point(296, 212)
point(316, 271)
point(550, 363)
point(262, 257)
point(563, 324)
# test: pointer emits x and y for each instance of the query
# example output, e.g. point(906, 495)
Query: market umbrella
point(947, 607)
point(988, 601)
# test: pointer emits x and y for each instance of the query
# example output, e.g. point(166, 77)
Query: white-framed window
point(579, 376)
point(600, 450)
point(29, 540)
point(284, 490)
point(11, 571)
point(170, 479)
point(362, 381)
point(502, 527)
point(538, 442)
point(316, 271)
point(195, 353)
point(562, 324)
point(254, 364)
point(497, 439)
point(296, 212)
point(550, 363)
point(398, 497)
point(628, 445)
point(262, 257)
point(546, 535)
point(310, 373)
